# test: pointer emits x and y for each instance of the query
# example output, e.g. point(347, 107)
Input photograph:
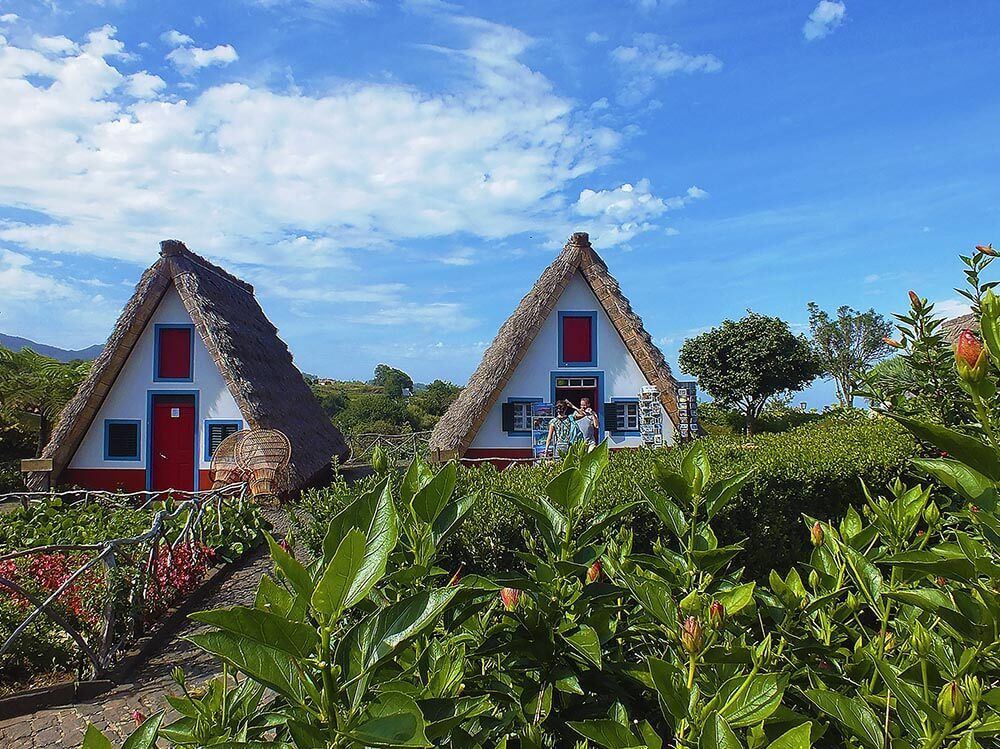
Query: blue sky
point(393, 176)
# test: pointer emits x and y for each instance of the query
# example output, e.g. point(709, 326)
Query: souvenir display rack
point(541, 415)
point(687, 409)
point(650, 416)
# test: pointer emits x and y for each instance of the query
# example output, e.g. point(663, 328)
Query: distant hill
point(15, 343)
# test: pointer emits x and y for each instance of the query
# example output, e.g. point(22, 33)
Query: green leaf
point(754, 702)
point(976, 454)
point(672, 483)
point(668, 680)
point(718, 734)
point(607, 733)
point(592, 465)
point(989, 324)
point(723, 492)
point(550, 522)
point(795, 738)
point(144, 737)
point(393, 720)
point(655, 598)
point(94, 739)
point(736, 599)
point(331, 594)
point(377, 638)
point(603, 521)
point(949, 563)
point(295, 638)
point(271, 667)
point(418, 473)
point(853, 715)
point(695, 468)
point(867, 576)
point(967, 482)
point(586, 642)
point(909, 704)
point(433, 497)
point(669, 513)
point(451, 518)
point(297, 575)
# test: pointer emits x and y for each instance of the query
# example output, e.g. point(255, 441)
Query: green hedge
point(815, 469)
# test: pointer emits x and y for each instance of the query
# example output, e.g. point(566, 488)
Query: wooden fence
point(399, 448)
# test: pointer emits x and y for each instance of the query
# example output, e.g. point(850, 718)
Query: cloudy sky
point(392, 176)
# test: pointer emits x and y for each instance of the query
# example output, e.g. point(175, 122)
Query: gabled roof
point(953, 327)
point(457, 428)
point(255, 363)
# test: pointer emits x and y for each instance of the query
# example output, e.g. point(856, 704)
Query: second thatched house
point(192, 359)
point(573, 336)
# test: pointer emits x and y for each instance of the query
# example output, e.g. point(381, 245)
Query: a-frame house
point(192, 359)
point(573, 335)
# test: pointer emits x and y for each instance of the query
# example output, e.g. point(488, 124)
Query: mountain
point(15, 343)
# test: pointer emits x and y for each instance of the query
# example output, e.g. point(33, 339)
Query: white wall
point(622, 376)
point(128, 396)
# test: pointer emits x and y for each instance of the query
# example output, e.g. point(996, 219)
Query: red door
point(172, 444)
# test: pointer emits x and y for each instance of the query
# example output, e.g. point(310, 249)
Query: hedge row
point(815, 469)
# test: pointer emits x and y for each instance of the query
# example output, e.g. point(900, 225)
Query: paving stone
point(63, 727)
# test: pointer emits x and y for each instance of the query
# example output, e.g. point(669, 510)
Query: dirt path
point(144, 688)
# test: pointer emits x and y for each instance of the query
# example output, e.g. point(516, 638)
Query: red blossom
point(969, 348)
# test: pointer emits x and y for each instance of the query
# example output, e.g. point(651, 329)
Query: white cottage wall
point(532, 379)
point(129, 394)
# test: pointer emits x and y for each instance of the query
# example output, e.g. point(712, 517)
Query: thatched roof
point(255, 363)
point(457, 428)
point(953, 327)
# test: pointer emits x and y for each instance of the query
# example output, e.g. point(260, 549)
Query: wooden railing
point(398, 448)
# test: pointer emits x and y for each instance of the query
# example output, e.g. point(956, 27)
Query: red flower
point(968, 348)
point(692, 635)
point(914, 299)
point(510, 597)
point(816, 534)
point(138, 717)
point(594, 573)
point(717, 614)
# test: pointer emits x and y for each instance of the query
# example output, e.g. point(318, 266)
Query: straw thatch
point(952, 328)
point(255, 363)
point(457, 428)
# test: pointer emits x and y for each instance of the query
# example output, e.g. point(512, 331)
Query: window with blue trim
point(578, 339)
point(626, 415)
point(121, 439)
point(173, 352)
point(516, 415)
point(216, 432)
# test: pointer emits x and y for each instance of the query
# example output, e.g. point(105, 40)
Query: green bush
point(815, 469)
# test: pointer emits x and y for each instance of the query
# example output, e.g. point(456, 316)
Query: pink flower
point(594, 573)
point(510, 597)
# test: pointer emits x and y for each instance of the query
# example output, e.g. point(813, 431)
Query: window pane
point(174, 355)
point(576, 338)
point(217, 433)
point(123, 440)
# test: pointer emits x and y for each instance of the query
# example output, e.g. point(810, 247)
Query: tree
point(393, 381)
point(742, 364)
point(847, 345)
point(37, 386)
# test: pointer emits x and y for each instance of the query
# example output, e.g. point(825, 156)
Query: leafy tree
point(374, 413)
point(847, 345)
point(37, 386)
point(393, 381)
point(745, 362)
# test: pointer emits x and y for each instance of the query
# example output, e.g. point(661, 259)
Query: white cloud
point(873, 278)
point(954, 307)
point(175, 38)
point(8, 18)
point(320, 5)
point(824, 19)
point(143, 85)
point(596, 38)
point(616, 216)
point(446, 316)
point(670, 231)
point(649, 59)
point(56, 45)
point(462, 256)
point(189, 59)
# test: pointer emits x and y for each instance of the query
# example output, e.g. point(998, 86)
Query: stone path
point(144, 688)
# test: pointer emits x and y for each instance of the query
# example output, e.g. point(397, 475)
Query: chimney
point(171, 247)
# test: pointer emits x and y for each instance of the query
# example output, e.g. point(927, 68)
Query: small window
point(517, 416)
point(121, 440)
point(216, 432)
point(628, 417)
point(577, 339)
point(173, 352)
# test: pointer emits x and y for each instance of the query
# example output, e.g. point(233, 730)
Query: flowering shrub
point(175, 573)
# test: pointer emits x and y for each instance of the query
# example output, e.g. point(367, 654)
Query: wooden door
point(172, 444)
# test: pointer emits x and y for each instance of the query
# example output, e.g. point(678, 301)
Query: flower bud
point(970, 357)
point(138, 717)
point(457, 577)
point(814, 579)
point(594, 573)
point(920, 640)
point(914, 299)
point(951, 701)
point(380, 463)
point(177, 674)
point(852, 602)
point(973, 688)
point(692, 635)
point(987, 249)
point(716, 614)
point(941, 581)
point(816, 534)
point(888, 642)
point(510, 597)
point(895, 344)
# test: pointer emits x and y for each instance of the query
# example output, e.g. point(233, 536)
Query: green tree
point(847, 345)
point(743, 363)
point(374, 413)
point(393, 381)
point(37, 386)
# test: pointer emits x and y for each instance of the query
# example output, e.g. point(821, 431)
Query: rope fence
point(137, 571)
point(399, 448)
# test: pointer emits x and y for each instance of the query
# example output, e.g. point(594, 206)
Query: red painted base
point(117, 479)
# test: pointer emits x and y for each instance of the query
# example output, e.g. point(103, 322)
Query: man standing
point(587, 422)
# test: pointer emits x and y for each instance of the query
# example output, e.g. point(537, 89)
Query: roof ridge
point(176, 248)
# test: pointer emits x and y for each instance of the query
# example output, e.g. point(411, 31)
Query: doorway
point(575, 388)
point(172, 443)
